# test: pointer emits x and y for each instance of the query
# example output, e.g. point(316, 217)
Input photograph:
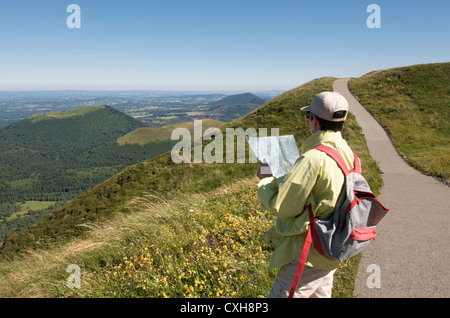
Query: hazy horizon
point(215, 45)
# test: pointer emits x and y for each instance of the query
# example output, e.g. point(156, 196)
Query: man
point(315, 179)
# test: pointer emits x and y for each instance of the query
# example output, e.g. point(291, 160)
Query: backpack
point(351, 227)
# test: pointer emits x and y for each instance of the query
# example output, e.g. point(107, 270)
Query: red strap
point(311, 236)
point(302, 262)
point(339, 160)
point(357, 164)
point(315, 237)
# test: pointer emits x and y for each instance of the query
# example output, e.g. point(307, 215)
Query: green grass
point(31, 205)
point(413, 104)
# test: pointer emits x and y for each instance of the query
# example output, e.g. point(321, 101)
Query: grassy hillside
point(413, 104)
point(165, 229)
point(145, 135)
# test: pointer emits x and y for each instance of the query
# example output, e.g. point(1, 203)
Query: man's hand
point(264, 170)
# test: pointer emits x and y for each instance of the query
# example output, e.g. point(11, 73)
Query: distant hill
point(57, 156)
point(237, 100)
point(80, 127)
point(234, 106)
point(145, 135)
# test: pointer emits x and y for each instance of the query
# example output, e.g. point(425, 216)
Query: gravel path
point(410, 252)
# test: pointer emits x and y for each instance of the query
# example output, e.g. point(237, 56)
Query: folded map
point(279, 152)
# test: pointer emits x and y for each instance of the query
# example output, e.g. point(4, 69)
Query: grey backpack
point(352, 225)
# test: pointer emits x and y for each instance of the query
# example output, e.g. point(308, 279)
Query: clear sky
point(212, 44)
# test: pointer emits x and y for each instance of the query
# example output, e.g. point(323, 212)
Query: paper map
point(279, 152)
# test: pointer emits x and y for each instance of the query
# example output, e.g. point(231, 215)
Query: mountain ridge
point(237, 99)
point(234, 106)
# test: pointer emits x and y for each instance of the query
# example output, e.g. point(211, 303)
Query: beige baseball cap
point(325, 104)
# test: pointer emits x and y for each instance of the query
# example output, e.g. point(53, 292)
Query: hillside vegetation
point(165, 229)
point(413, 104)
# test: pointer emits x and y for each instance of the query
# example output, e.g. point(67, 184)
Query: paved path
point(412, 245)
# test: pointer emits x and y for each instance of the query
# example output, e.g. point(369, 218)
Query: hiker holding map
point(300, 178)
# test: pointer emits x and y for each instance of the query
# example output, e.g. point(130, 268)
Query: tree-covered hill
point(234, 106)
point(56, 157)
point(80, 127)
point(237, 99)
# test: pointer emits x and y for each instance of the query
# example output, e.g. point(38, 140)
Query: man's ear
point(316, 122)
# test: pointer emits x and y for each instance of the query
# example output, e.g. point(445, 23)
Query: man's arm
point(288, 196)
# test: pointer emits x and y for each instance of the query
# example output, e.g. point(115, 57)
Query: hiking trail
point(410, 249)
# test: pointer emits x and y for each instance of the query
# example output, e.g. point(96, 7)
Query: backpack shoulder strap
point(304, 255)
point(339, 160)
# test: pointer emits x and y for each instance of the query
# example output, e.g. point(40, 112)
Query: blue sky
point(212, 44)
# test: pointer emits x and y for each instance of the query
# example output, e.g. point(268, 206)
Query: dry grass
point(163, 248)
point(33, 274)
